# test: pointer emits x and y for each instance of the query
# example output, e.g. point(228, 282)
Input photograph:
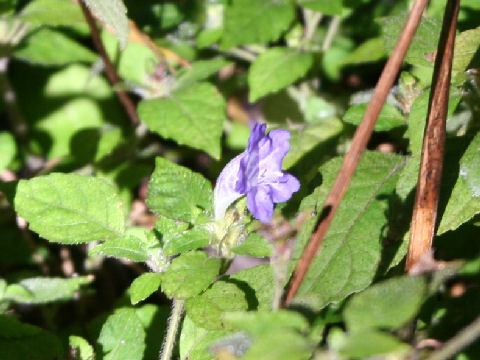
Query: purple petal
point(258, 132)
point(273, 150)
point(283, 189)
point(225, 192)
point(260, 203)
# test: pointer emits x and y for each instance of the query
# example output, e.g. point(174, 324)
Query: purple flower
point(257, 173)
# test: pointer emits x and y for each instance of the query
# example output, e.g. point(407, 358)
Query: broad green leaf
point(259, 286)
point(175, 191)
point(53, 13)
point(200, 70)
point(261, 323)
point(20, 341)
point(464, 201)
point(349, 256)
point(154, 320)
point(129, 247)
point(254, 245)
point(256, 21)
point(42, 47)
point(83, 349)
point(280, 344)
point(70, 208)
point(191, 116)
point(370, 51)
point(386, 305)
point(8, 149)
point(114, 14)
point(466, 46)
point(189, 274)
point(275, 69)
point(207, 309)
point(109, 139)
point(208, 37)
point(367, 344)
point(122, 336)
point(390, 117)
point(144, 286)
point(41, 290)
point(327, 7)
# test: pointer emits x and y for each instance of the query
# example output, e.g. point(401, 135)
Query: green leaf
point(175, 191)
point(387, 305)
point(144, 286)
point(129, 247)
point(261, 323)
point(42, 47)
point(256, 21)
point(53, 13)
point(190, 116)
point(189, 274)
point(41, 290)
point(390, 117)
point(70, 208)
point(275, 69)
point(259, 285)
point(366, 344)
point(254, 245)
point(370, 51)
point(280, 344)
point(83, 349)
point(206, 310)
point(114, 14)
point(326, 7)
point(466, 46)
point(20, 341)
point(8, 149)
point(200, 70)
point(122, 336)
point(349, 256)
point(464, 201)
point(208, 37)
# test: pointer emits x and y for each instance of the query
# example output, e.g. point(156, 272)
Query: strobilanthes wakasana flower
point(257, 173)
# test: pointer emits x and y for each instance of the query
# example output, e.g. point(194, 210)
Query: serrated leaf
point(351, 250)
point(175, 191)
point(41, 47)
point(53, 13)
point(386, 305)
point(113, 13)
point(144, 286)
point(41, 290)
point(8, 149)
point(254, 245)
point(464, 201)
point(189, 274)
point(327, 7)
point(122, 336)
point(129, 247)
point(275, 69)
point(256, 21)
point(190, 116)
point(200, 70)
point(369, 343)
point(20, 341)
point(390, 117)
point(83, 350)
point(70, 208)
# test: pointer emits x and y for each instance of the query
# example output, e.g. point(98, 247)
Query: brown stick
point(112, 75)
point(429, 179)
point(359, 143)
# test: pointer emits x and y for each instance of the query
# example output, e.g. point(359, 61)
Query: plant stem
point(459, 342)
point(332, 30)
point(312, 19)
point(172, 329)
point(359, 143)
point(429, 179)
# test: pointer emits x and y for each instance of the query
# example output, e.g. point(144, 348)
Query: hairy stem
point(172, 329)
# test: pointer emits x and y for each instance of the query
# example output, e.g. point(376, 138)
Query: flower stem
point(172, 329)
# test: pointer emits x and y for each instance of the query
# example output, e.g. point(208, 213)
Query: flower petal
point(273, 149)
point(225, 192)
point(260, 203)
point(283, 189)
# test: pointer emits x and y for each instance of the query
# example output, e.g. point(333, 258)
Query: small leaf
point(254, 245)
point(69, 208)
point(192, 116)
point(466, 46)
point(367, 344)
point(275, 69)
point(387, 305)
point(113, 13)
point(41, 290)
point(122, 336)
point(144, 286)
point(327, 7)
point(256, 21)
point(370, 51)
point(260, 285)
point(53, 13)
point(129, 247)
point(390, 117)
point(8, 149)
point(175, 191)
point(189, 274)
point(83, 349)
point(200, 70)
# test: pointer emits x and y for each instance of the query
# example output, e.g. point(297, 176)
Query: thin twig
point(112, 75)
point(459, 342)
point(332, 30)
point(429, 179)
point(359, 143)
point(173, 324)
